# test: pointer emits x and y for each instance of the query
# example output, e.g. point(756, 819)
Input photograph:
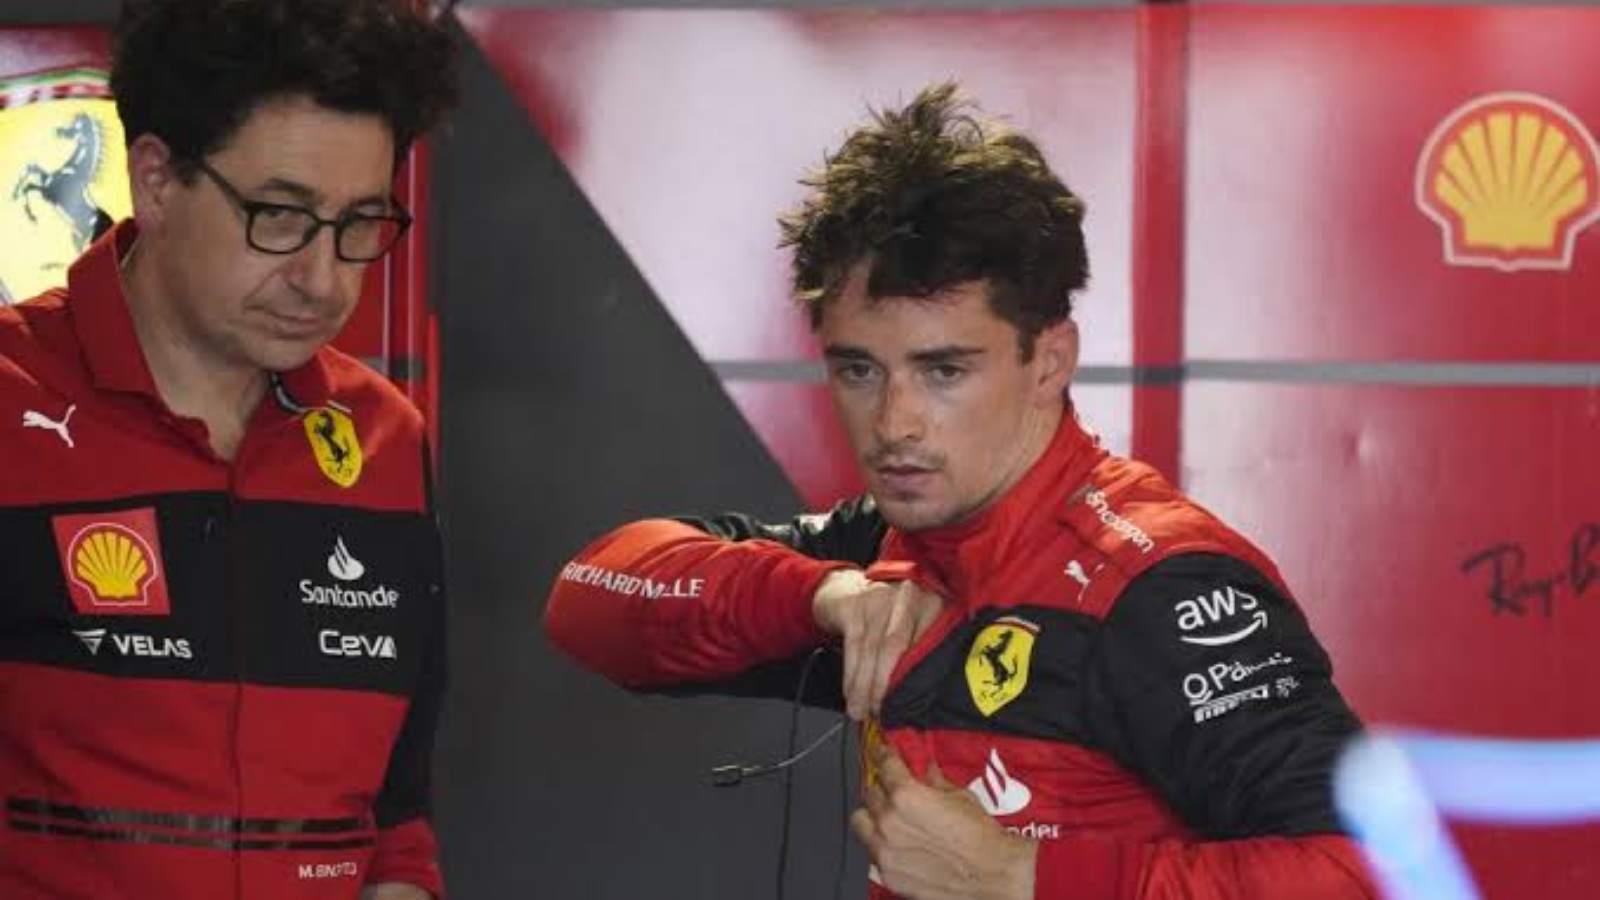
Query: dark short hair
point(930, 196)
point(192, 71)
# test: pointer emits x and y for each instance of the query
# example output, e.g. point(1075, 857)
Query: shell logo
point(1512, 179)
point(113, 562)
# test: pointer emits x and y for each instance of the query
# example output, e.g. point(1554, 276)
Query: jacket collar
point(963, 554)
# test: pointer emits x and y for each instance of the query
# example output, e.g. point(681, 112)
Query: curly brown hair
point(192, 71)
point(930, 196)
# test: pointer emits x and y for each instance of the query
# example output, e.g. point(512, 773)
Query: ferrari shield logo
point(334, 444)
point(997, 665)
point(63, 175)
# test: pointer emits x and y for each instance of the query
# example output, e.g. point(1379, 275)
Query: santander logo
point(998, 793)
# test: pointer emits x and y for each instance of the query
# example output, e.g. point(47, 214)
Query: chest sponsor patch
point(112, 562)
point(997, 664)
point(332, 435)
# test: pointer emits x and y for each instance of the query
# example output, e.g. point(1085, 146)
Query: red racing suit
point(217, 680)
point(1115, 674)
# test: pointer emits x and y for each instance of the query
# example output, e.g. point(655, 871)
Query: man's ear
point(1055, 360)
point(152, 179)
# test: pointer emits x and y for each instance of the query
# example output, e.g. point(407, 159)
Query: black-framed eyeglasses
point(283, 228)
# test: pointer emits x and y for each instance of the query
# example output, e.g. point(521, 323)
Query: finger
point(852, 667)
point(936, 777)
point(900, 631)
point(866, 831)
point(892, 771)
point(875, 800)
point(858, 692)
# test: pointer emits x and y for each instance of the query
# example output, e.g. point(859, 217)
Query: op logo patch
point(997, 664)
point(112, 563)
point(333, 440)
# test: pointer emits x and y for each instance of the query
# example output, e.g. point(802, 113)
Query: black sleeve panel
point(1208, 683)
point(852, 531)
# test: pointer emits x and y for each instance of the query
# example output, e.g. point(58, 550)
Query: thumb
point(936, 777)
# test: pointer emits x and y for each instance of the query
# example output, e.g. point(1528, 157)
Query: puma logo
point(1076, 573)
point(33, 419)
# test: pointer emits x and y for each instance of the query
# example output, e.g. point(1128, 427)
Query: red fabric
point(717, 609)
point(1325, 867)
point(408, 854)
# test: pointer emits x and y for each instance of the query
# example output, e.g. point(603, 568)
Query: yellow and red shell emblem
point(1512, 179)
point(113, 562)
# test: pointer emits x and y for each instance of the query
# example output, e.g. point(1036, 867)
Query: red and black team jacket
point(216, 680)
point(1115, 674)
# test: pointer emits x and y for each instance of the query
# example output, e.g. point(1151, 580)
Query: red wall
point(1373, 411)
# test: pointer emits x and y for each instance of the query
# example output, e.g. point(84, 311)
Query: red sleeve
point(408, 854)
point(659, 602)
point(1319, 867)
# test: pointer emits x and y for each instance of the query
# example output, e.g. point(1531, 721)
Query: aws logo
point(1511, 179)
point(62, 175)
point(112, 562)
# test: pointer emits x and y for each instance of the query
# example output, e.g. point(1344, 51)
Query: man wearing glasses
point(221, 602)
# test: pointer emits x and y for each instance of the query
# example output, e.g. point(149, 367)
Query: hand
point(394, 890)
point(934, 842)
point(878, 621)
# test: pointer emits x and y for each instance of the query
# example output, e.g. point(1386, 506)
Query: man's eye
point(852, 373)
point(946, 374)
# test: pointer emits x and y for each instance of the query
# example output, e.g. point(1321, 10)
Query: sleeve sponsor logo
point(332, 435)
point(632, 585)
point(1223, 705)
point(1096, 499)
point(112, 562)
point(1215, 616)
point(1202, 687)
point(1204, 691)
point(997, 664)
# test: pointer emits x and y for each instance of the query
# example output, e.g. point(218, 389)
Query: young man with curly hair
point(221, 639)
point(1075, 681)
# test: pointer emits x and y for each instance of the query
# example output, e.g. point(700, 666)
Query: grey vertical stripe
point(1417, 374)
